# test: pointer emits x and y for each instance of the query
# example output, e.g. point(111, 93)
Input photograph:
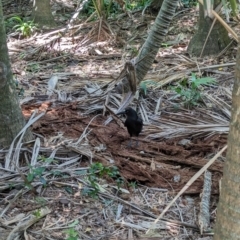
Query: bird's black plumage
point(133, 123)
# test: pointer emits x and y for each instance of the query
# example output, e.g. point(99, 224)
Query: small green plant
point(189, 3)
point(136, 5)
point(37, 213)
point(11, 185)
point(56, 173)
point(19, 88)
point(165, 45)
point(103, 7)
point(98, 170)
point(9, 24)
point(144, 86)
point(33, 67)
point(68, 189)
point(91, 192)
point(133, 184)
point(26, 28)
point(72, 234)
point(41, 201)
point(50, 160)
point(132, 52)
point(190, 90)
point(88, 8)
point(34, 173)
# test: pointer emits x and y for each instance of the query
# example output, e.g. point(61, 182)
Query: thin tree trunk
point(217, 40)
point(42, 14)
point(228, 211)
point(155, 38)
point(11, 118)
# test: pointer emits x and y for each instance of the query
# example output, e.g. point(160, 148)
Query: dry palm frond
point(185, 124)
point(101, 31)
point(204, 214)
point(189, 183)
point(12, 158)
point(25, 223)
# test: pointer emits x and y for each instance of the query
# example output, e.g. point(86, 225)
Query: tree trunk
point(42, 14)
point(228, 211)
point(11, 118)
point(217, 40)
point(156, 4)
point(158, 31)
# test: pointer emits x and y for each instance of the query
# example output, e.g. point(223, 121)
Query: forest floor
point(71, 179)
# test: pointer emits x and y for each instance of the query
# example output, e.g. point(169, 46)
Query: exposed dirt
point(164, 164)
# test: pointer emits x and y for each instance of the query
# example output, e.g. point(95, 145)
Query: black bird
point(133, 123)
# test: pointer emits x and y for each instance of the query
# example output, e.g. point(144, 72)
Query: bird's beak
point(122, 112)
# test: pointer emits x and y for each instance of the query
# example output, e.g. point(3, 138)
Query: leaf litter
point(68, 83)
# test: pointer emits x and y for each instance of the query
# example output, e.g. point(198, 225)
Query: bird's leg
point(136, 142)
point(129, 143)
